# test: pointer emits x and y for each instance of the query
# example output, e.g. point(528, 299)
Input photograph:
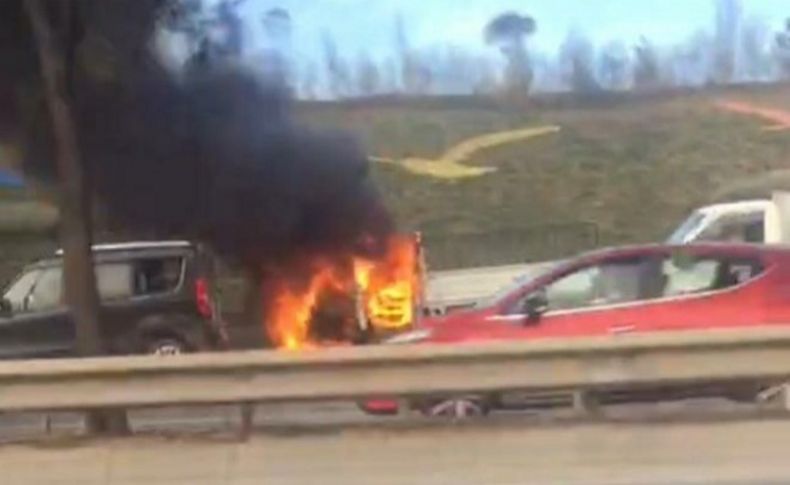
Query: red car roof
point(709, 248)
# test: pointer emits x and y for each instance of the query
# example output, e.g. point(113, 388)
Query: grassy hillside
point(633, 168)
point(631, 165)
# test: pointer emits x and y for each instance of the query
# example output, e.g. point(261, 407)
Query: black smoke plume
point(212, 154)
point(217, 158)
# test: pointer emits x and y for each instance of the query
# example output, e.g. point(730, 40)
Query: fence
point(509, 246)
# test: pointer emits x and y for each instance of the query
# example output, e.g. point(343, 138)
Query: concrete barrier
point(595, 363)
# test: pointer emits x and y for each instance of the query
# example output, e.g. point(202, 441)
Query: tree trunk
point(81, 296)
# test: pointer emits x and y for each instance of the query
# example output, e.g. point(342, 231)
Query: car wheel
point(456, 408)
point(166, 346)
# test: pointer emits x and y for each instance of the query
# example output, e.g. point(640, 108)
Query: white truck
point(764, 221)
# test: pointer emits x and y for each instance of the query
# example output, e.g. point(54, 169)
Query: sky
point(367, 25)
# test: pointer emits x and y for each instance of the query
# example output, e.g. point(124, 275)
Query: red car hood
point(458, 326)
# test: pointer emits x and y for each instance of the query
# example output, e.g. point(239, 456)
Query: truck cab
point(761, 221)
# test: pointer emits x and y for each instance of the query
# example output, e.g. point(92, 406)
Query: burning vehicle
point(347, 300)
point(209, 149)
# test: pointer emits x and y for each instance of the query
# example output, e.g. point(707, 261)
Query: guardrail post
point(585, 403)
point(247, 420)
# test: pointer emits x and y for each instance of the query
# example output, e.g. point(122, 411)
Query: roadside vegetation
point(634, 168)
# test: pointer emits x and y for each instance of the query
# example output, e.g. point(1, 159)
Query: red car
point(623, 290)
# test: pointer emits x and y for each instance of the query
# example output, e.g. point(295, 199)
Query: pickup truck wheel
point(166, 346)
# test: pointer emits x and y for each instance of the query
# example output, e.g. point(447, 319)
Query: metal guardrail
point(243, 377)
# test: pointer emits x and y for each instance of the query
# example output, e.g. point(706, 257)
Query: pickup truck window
point(687, 228)
point(743, 227)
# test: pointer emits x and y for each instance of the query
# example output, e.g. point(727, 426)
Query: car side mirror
point(6, 309)
point(536, 305)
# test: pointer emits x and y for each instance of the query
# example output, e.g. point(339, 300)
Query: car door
point(594, 299)
point(706, 290)
point(39, 325)
point(135, 289)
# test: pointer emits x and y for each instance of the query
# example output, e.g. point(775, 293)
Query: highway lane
point(16, 426)
point(338, 415)
point(726, 453)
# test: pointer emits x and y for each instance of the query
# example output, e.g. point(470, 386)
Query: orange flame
point(291, 309)
point(388, 290)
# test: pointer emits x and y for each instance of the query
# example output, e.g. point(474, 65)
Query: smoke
point(218, 158)
point(213, 154)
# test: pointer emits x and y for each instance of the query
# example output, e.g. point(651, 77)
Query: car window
point(157, 275)
point(114, 281)
point(47, 292)
point(609, 283)
point(695, 275)
point(621, 282)
point(572, 291)
point(692, 277)
point(20, 289)
point(507, 290)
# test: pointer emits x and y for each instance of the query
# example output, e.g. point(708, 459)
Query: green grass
point(634, 169)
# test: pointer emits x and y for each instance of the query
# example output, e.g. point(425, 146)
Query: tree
point(368, 77)
point(577, 56)
point(728, 25)
point(337, 71)
point(484, 81)
point(692, 60)
point(231, 27)
point(781, 49)
point(416, 77)
point(56, 71)
point(277, 23)
point(389, 76)
point(277, 28)
point(57, 33)
point(509, 32)
point(647, 68)
point(755, 49)
point(456, 70)
point(308, 81)
point(614, 66)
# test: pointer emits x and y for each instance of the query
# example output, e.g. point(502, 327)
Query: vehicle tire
point(456, 408)
point(165, 346)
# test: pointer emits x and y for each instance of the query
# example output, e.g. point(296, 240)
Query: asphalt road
point(728, 453)
point(343, 415)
